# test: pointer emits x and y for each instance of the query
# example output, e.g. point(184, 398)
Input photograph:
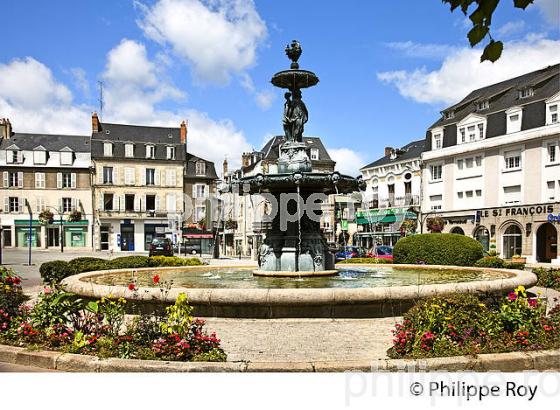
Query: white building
point(492, 166)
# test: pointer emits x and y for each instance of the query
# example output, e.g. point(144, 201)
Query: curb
point(503, 362)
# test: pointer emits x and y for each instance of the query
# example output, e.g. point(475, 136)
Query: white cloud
point(511, 28)
point(418, 50)
point(550, 10)
point(461, 72)
point(263, 98)
point(218, 37)
point(348, 161)
point(80, 79)
point(36, 102)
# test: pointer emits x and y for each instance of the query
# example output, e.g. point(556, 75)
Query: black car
point(188, 248)
point(161, 247)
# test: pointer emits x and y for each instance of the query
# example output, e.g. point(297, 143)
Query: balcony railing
point(395, 201)
point(134, 214)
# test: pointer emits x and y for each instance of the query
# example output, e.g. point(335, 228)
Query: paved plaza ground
point(261, 340)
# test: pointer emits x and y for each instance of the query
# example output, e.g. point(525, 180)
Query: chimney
point(225, 167)
point(388, 150)
point(5, 128)
point(245, 159)
point(95, 123)
point(183, 132)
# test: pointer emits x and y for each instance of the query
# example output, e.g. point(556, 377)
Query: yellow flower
point(481, 305)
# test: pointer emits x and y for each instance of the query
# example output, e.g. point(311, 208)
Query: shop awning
point(374, 216)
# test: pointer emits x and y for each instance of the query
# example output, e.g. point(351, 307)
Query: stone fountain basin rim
point(303, 296)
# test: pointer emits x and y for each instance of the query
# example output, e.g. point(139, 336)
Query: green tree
point(481, 19)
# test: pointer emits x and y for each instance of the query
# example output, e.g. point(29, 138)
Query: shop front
point(23, 234)
point(198, 242)
point(382, 226)
point(154, 230)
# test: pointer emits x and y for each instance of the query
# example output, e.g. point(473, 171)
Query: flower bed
point(548, 278)
point(65, 322)
point(365, 260)
point(467, 325)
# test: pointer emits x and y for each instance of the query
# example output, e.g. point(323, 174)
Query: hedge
point(365, 260)
point(548, 278)
point(56, 271)
point(438, 249)
point(496, 262)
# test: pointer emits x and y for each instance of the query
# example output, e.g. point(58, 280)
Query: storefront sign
point(199, 236)
point(554, 218)
point(518, 211)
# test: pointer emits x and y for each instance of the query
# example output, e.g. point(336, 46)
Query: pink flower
point(512, 296)
point(532, 302)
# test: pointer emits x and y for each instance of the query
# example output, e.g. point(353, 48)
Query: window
point(314, 154)
point(200, 168)
point(513, 120)
point(552, 152)
point(129, 176)
point(469, 162)
point(478, 161)
point(13, 179)
point(200, 191)
point(199, 212)
point(472, 133)
point(463, 135)
point(129, 202)
point(482, 105)
point(552, 114)
point(512, 241)
point(129, 150)
point(150, 202)
point(481, 131)
point(550, 190)
point(39, 179)
point(107, 149)
point(526, 92)
point(460, 164)
point(437, 141)
point(469, 194)
point(171, 203)
point(170, 177)
point(66, 158)
point(150, 176)
point(15, 204)
point(14, 157)
point(39, 204)
point(40, 157)
point(512, 194)
point(459, 195)
point(435, 202)
point(512, 160)
point(479, 192)
point(150, 151)
point(171, 152)
point(65, 180)
point(108, 202)
point(108, 175)
point(449, 115)
point(436, 172)
point(67, 205)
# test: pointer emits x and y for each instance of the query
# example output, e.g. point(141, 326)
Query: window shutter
point(19, 157)
point(6, 181)
point(73, 204)
point(121, 202)
point(37, 183)
point(20, 179)
point(163, 177)
point(156, 177)
point(143, 177)
point(73, 180)
point(157, 203)
point(59, 180)
point(136, 203)
point(115, 176)
point(101, 203)
point(194, 191)
point(60, 205)
point(6, 204)
point(133, 176)
point(10, 157)
point(20, 205)
point(99, 175)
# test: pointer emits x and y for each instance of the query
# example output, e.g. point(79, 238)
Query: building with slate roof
point(394, 184)
point(137, 184)
point(492, 166)
point(45, 173)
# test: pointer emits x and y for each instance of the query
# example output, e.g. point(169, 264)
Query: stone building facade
point(137, 184)
point(492, 167)
point(45, 173)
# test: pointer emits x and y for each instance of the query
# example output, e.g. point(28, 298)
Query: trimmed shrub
point(365, 260)
point(124, 262)
point(87, 264)
point(438, 249)
point(55, 271)
point(490, 262)
point(156, 261)
point(514, 265)
point(548, 278)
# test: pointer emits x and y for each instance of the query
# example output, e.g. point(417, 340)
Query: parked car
point(349, 252)
point(381, 252)
point(188, 248)
point(161, 247)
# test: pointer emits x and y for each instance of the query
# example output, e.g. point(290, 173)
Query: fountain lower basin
point(313, 297)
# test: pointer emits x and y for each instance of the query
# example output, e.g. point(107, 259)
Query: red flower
point(156, 279)
point(512, 296)
point(131, 286)
point(17, 281)
point(548, 328)
point(532, 302)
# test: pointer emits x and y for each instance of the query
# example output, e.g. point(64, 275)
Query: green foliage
point(465, 324)
point(179, 317)
point(481, 19)
point(364, 260)
point(156, 261)
point(548, 278)
point(125, 262)
point(490, 262)
point(55, 271)
point(55, 307)
point(214, 355)
point(88, 264)
point(11, 297)
point(438, 249)
point(435, 224)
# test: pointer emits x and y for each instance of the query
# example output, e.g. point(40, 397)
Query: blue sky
point(386, 68)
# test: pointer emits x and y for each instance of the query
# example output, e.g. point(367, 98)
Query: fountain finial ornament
point(293, 51)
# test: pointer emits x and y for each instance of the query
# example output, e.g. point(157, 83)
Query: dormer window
point(553, 114)
point(200, 168)
point(513, 119)
point(448, 115)
point(482, 105)
point(129, 150)
point(437, 140)
point(107, 149)
point(150, 151)
point(471, 129)
point(314, 154)
point(14, 156)
point(526, 92)
point(171, 153)
point(66, 158)
point(40, 156)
